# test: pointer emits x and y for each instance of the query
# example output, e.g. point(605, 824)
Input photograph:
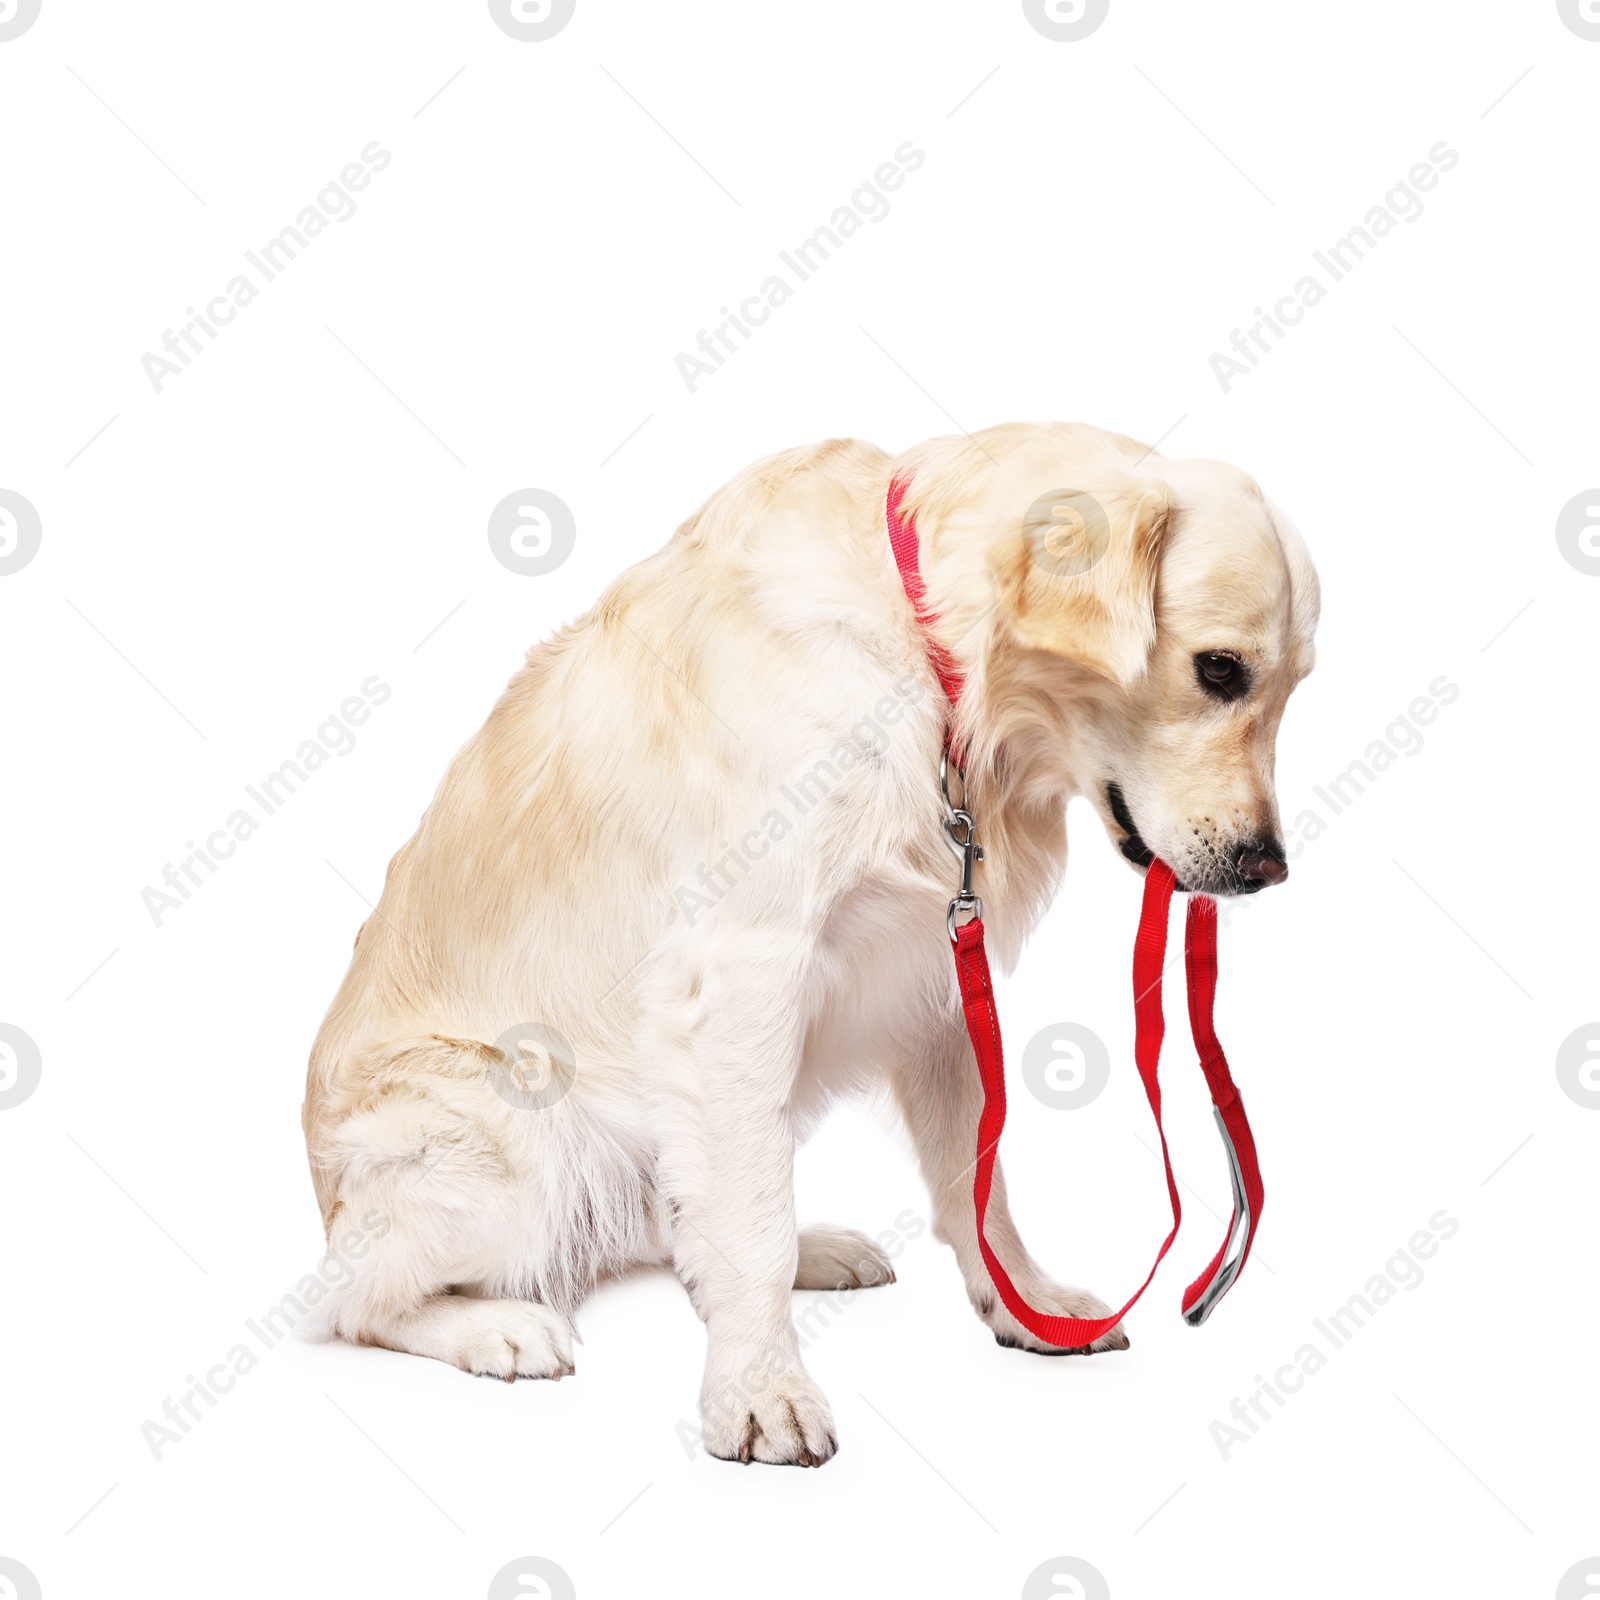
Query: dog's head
point(1152, 617)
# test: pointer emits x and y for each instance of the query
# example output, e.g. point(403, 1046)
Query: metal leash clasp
point(961, 832)
point(1232, 1262)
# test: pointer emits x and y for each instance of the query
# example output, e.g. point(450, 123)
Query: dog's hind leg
point(941, 1096)
point(427, 1230)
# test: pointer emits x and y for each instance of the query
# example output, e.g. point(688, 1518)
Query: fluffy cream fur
point(690, 872)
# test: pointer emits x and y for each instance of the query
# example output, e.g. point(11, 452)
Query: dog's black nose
point(1262, 868)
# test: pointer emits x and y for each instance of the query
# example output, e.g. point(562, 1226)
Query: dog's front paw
point(781, 1417)
point(1053, 1299)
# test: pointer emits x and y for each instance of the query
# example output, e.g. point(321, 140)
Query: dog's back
point(596, 758)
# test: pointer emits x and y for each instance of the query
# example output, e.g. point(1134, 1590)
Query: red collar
point(903, 541)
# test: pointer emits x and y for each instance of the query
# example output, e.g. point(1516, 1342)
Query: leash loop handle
point(983, 1028)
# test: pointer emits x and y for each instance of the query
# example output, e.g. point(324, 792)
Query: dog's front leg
point(730, 1051)
point(941, 1097)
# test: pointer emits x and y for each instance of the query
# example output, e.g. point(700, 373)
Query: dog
point(688, 886)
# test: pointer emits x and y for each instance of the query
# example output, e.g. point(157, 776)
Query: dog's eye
point(1221, 675)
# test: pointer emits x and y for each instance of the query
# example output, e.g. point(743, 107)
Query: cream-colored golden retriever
point(688, 884)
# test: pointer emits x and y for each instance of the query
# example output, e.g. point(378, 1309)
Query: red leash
point(1149, 960)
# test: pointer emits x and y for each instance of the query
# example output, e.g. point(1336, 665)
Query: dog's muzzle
point(1256, 865)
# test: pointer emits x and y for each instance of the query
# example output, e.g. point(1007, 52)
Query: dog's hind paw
point(507, 1339)
point(840, 1258)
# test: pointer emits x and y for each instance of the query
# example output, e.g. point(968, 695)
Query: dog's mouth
point(1132, 846)
point(1256, 865)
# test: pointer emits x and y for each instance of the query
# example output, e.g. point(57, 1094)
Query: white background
point(229, 559)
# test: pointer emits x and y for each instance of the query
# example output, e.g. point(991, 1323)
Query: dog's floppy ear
point(1085, 565)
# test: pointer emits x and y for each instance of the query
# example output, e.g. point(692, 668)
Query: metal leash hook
point(962, 834)
point(1232, 1262)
